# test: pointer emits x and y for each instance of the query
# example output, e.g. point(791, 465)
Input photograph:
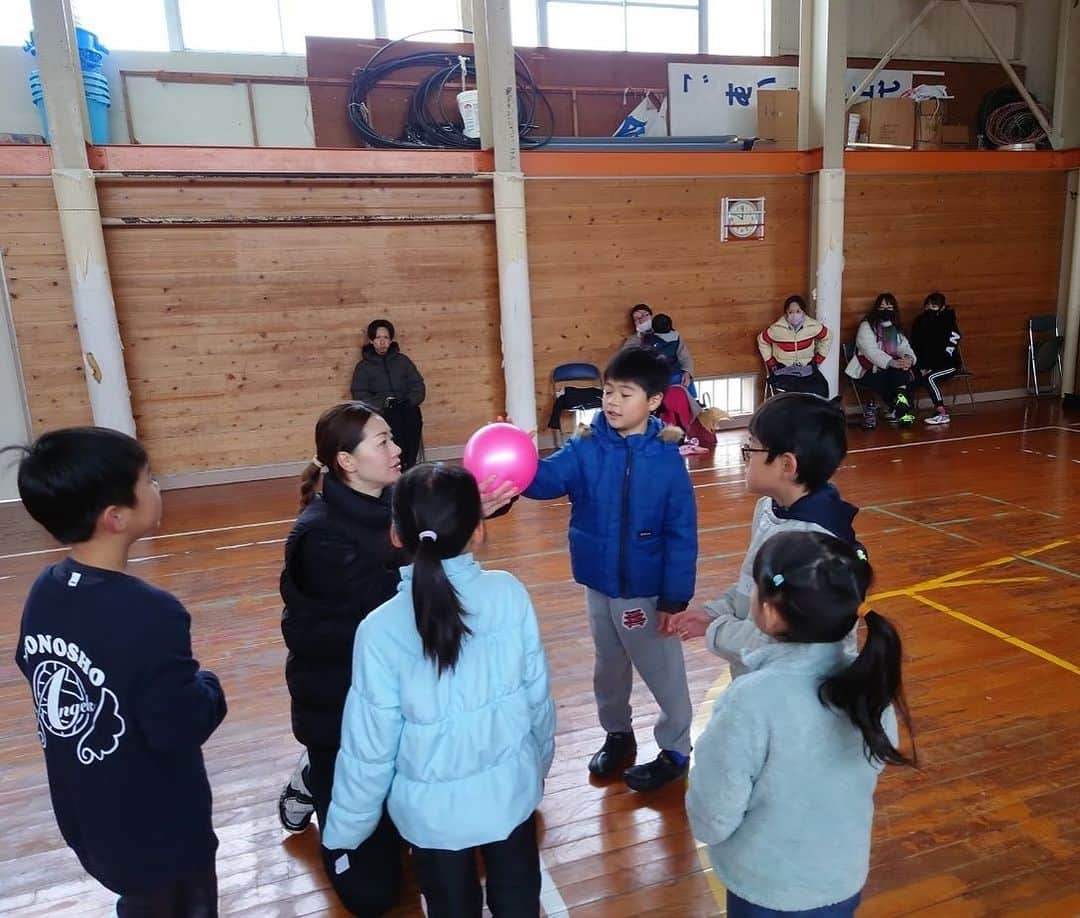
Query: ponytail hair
point(338, 430)
point(816, 583)
point(436, 512)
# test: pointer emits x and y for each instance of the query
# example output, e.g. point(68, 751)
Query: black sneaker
point(617, 751)
point(296, 805)
point(655, 774)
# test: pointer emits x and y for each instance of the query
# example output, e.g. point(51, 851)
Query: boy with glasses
point(797, 442)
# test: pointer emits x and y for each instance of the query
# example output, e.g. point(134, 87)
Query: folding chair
point(1044, 355)
point(583, 373)
point(962, 375)
point(847, 350)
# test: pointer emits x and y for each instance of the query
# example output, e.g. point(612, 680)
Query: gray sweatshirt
point(780, 789)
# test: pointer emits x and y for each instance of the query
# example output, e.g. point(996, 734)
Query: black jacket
point(377, 378)
point(339, 566)
point(934, 338)
point(122, 711)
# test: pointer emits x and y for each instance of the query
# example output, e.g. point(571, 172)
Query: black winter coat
point(377, 378)
point(339, 566)
point(934, 338)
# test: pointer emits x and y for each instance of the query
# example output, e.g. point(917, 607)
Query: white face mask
point(644, 327)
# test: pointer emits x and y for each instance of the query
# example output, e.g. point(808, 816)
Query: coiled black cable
point(427, 125)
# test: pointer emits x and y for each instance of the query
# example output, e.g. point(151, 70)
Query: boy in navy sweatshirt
point(796, 443)
point(122, 707)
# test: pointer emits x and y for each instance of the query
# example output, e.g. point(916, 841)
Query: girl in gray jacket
point(792, 753)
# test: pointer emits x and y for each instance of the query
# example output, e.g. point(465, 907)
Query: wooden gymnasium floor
point(975, 534)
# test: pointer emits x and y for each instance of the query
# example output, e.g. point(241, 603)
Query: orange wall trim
point(25, 159)
point(288, 160)
point(17, 160)
point(592, 164)
point(939, 161)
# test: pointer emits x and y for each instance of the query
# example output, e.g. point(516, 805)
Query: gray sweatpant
point(625, 633)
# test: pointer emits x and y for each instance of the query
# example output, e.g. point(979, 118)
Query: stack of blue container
point(98, 98)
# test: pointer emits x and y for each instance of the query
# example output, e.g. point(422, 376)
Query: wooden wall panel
point(597, 247)
point(990, 242)
point(33, 258)
point(238, 337)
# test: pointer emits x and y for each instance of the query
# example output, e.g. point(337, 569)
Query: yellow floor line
point(998, 633)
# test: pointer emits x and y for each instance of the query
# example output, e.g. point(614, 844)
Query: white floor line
point(551, 900)
point(1000, 433)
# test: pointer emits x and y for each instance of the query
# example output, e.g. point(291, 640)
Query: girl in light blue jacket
point(449, 718)
point(782, 787)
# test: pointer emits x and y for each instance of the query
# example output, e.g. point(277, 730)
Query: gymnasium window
point(131, 26)
point(280, 26)
point(737, 395)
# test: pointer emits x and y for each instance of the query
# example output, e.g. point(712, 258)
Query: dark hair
point(643, 366)
point(935, 299)
point(662, 323)
point(644, 306)
point(816, 583)
point(338, 430)
point(814, 429)
point(795, 299)
point(872, 312)
point(67, 477)
point(373, 328)
point(443, 500)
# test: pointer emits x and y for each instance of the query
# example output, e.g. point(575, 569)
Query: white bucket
point(468, 103)
point(853, 128)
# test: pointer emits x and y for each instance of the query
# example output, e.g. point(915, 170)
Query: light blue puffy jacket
point(460, 758)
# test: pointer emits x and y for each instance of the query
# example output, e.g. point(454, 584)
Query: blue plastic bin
point(98, 101)
point(91, 51)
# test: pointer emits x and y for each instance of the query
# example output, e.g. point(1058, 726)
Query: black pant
point(887, 383)
point(451, 885)
point(369, 880)
point(194, 895)
point(815, 383)
point(931, 382)
point(406, 424)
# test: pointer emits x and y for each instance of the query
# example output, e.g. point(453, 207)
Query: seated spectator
point(935, 337)
point(389, 382)
point(883, 363)
point(663, 337)
point(793, 347)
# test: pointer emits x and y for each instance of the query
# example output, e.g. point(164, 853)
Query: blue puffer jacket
point(461, 758)
point(633, 526)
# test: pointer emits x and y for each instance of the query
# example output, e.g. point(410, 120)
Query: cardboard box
point(774, 146)
point(778, 116)
point(929, 118)
point(956, 135)
point(886, 121)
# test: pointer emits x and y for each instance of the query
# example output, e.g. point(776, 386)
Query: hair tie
point(778, 579)
point(429, 535)
point(315, 462)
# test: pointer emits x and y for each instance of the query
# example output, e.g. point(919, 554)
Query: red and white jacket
point(782, 345)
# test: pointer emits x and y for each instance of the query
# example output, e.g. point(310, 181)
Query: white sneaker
point(937, 419)
point(295, 805)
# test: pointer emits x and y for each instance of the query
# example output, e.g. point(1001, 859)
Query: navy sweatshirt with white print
point(122, 710)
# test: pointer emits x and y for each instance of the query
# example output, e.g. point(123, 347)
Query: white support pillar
point(1072, 303)
point(480, 54)
point(828, 265)
point(509, 185)
point(80, 217)
point(822, 96)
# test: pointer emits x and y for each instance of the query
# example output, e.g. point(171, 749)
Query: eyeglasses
point(746, 449)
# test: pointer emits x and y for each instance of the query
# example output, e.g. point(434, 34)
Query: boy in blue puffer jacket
point(633, 545)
